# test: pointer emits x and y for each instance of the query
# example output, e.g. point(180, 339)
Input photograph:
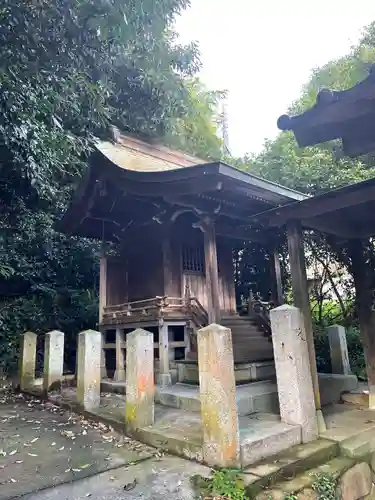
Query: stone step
point(360, 445)
point(240, 324)
point(226, 319)
point(251, 398)
point(252, 342)
point(243, 355)
point(181, 431)
point(247, 333)
point(359, 398)
point(244, 371)
point(290, 462)
point(297, 483)
point(268, 440)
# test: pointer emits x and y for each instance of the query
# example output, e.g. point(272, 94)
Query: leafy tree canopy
point(69, 69)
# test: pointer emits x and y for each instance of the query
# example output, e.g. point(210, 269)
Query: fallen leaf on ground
point(130, 486)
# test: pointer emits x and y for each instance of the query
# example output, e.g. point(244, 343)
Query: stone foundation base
point(187, 371)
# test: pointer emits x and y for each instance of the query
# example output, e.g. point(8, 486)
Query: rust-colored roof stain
point(133, 154)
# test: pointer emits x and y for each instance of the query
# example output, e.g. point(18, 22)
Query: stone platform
point(262, 434)
point(181, 432)
point(244, 372)
point(251, 398)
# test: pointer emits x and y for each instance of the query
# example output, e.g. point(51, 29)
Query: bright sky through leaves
point(263, 51)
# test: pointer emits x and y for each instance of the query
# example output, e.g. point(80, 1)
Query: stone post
point(27, 360)
point(221, 444)
point(339, 350)
point(294, 382)
point(120, 358)
point(140, 386)
point(88, 375)
point(53, 358)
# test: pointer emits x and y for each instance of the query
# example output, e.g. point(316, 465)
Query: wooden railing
point(157, 307)
point(198, 313)
point(143, 307)
point(260, 311)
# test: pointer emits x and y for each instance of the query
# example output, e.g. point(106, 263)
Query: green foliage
point(69, 69)
point(225, 483)
point(325, 486)
point(197, 131)
point(313, 170)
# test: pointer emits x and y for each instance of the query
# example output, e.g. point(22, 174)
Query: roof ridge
point(157, 150)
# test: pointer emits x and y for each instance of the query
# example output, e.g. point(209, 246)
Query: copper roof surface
point(139, 156)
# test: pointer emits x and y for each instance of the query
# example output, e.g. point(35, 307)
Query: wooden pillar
point(103, 357)
point(364, 302)
point(277, 287)
point(164, 373)
point(212, 274)
point(102, 284)
point(301, 300)
point(167, 261)
point(120, 358)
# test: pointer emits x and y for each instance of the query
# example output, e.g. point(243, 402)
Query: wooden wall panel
point(117, 278)
point(145, 258)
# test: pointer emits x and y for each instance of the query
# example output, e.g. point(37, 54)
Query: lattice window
point(193, 258)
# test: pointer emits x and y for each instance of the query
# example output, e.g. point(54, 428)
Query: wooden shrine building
point(176, 220)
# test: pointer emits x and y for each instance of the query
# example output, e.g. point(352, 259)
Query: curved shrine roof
point(131, 181)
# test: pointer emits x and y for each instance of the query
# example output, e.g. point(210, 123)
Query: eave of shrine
point(348, 115)
point(346, 212)
point(136, 184)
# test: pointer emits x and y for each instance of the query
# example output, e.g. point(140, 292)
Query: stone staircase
point(250, 343)
point(252, 352)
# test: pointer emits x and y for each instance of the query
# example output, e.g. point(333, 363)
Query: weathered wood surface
point(102, 285)
point(276, 278)
point(212, 273)
point(301, 300)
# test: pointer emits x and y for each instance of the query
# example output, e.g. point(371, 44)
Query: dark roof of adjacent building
point(347, 212)
point(348, 115)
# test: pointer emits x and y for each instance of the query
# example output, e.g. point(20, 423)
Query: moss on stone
point(130, 412)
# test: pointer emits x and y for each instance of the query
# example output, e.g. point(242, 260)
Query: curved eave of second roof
point(322, 122)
